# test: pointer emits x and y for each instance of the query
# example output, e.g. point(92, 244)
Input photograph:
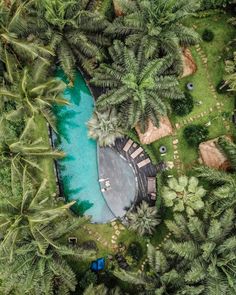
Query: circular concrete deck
point(118, 179)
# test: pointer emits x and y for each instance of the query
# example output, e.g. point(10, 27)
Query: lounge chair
point(151, 187)
point(136, 153)
point(143, 163)
point(127, 145)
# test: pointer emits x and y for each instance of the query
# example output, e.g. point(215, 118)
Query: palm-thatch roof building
point(154, 133)
point(211, 156)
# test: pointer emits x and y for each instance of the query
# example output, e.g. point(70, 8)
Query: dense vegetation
point(134, 55)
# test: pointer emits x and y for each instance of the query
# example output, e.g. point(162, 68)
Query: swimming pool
point(79, 169)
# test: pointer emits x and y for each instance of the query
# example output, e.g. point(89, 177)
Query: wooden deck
point(149, 170)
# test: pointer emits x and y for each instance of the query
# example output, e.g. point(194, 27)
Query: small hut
point(211, 156)
point(154, 133)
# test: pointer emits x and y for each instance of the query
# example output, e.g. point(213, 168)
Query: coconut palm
point(223, 183)
point(29, 206)
point(198, 259)
point(144, 219)
point(184, 194)
point(74, 31)
point(104, 127)
point(156, 24)
point(14, 30)
point(137, 88)
point(44, 269)
point(34, 92)
point(159, 278)
point(27, 149)
point(207, 247)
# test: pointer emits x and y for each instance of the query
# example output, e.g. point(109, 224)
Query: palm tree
point(184, 194)
point(13, 34)
point(104, 127)
point(157, 25)
point(198, 259)
point(44, 269)
point(27, 208)
point(26, 150)
point(74, 31)
point(206, 246)
point(144, 219)
point(223, 183)
point(137, 88)
point(34, 92)
point(163, 275)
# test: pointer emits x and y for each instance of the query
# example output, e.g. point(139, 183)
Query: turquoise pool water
point(79, 169)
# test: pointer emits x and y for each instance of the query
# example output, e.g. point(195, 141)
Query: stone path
point(217, 108)
point(117, 228)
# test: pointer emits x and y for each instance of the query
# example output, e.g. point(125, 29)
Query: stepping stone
point(217, 103)
point(211, 110)
point(117, 232)
point(113, 242)
point(177, 125)
point(113, 223)
point(114, 237)
point(176, 152)
point(175, 141)
point(105, 244)
point(175, 147)
point(116, 227)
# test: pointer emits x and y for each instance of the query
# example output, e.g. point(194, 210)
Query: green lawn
point(215, 52)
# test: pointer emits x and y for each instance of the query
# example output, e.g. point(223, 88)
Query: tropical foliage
point(184, 194)
point(144, 219)
point(74, 31)
point(104, 127)
point(138, 88)
point(199, 258)
point(157, 25)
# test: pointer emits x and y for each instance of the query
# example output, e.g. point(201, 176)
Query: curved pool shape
point(79, 169)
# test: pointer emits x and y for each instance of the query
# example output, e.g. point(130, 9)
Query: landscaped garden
point(117, 147)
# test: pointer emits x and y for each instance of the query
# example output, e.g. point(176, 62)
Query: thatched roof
point(189, 65)
point(211, 156)
point(154, 133)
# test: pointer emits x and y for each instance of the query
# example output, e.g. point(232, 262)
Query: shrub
point(207, 35)
point(88, 279)
point(195, 134)
point(135, 251)
point(222, 87)
point(184, 106)
point(89, 245)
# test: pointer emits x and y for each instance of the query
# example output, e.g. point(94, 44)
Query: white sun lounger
point(137, 152)
point(143, 163)
point(127, 145)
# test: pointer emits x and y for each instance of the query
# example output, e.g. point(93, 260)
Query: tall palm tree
point(144, 219)
point(34, 92)
point(138, 88)
point(198, 259)
point(207, 246)
point(27, 208)
point(156, 24)
point(45, 269)
point(160, 277)
point(223, 183)
point(74, 31)
point(104, 127)
point(26, 149)
point(14, 30)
